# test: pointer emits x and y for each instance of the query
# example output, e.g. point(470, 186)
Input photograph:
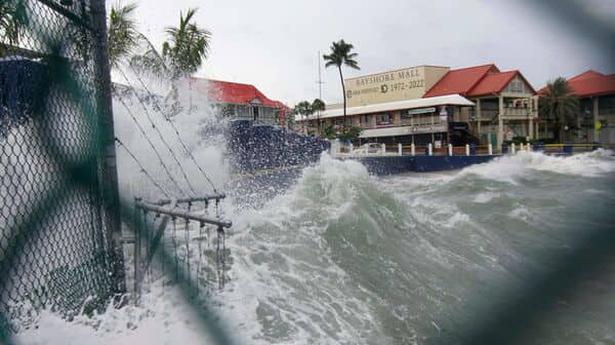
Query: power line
point(184, 146)
point(166, 144)
point(164, 166)
point(143, 170)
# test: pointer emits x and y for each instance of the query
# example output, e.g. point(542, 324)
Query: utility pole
point(319, 82)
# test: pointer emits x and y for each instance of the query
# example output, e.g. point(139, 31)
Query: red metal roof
point(592, 83)
point(474, 81)
point(492, 83)
point(460, 81)
point(237, 93)
point(587, 74)
point(219, 91)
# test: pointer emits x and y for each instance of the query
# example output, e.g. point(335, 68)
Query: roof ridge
point(485, 75)
point(592, 71)
point(471, 67)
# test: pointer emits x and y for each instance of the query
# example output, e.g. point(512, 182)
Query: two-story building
point(435, 104)
point(595, 120)
point(506, 105)
point(241, 101)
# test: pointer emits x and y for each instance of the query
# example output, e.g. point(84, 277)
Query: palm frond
point(122, 34)
point(188, 45)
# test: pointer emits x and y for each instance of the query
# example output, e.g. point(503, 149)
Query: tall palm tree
point(317, 106)
point(559, 103)
point(341, 55)
point(188, 45)
point(122, 33)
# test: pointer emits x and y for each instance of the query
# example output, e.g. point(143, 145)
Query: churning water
point(343, 257)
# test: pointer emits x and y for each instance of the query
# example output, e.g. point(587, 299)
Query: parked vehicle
point(369, 148)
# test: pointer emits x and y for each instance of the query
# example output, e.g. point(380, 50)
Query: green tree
point(304, 108)
point(122, 34)
point(341, 55)
point(317, 106)
point(188, 45)
point(559, 104)
point(150, 61)
point(351, 134)
point(329, 132)
point(12, 20)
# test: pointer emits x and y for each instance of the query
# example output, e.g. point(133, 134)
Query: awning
point(392, 106)
point(400, 131)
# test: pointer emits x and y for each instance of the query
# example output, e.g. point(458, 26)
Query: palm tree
point(317, 106)
point(150, 61)
point(188, 45)
point(559, 103)
point(12, 19)
point(341, 55)
point(303, 108)
point(122, 34)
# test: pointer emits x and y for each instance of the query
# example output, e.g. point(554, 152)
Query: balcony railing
point(486, 115)
point(517, 112)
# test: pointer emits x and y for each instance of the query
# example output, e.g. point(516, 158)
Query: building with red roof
point(241, 101)
point(493, 105)
point(460, 81)
point(595, 121)
point(506, 103)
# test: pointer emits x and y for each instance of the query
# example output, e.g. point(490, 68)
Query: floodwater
point(342, 257)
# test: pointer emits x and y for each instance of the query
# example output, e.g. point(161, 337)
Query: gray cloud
point(273, 44)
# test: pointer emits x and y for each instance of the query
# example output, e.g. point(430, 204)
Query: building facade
point(420, 121)
point(435, 104)
point(506, 105)
point(595, 119)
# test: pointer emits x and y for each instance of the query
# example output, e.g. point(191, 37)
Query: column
point(500, 137)
point(478, 117)
point(595, 119)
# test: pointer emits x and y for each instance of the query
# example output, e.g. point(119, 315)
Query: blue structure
point(271, 150)
point(390, 165)
point(254, 147)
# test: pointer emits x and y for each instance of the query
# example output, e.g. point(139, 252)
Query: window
point(383, 119)
point(516, 85)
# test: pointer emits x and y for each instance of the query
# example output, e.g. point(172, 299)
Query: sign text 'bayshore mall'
point(391, 86)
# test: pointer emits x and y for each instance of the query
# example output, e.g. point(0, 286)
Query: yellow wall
point(397, 85)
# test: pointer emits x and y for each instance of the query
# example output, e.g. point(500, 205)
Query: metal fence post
point(108, 180)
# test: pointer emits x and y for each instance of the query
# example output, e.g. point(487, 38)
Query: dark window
point(383, 119)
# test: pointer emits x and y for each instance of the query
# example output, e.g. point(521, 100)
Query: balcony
point(509, 114)
point(519, 113)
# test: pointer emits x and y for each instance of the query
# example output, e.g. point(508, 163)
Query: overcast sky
point(273, 44)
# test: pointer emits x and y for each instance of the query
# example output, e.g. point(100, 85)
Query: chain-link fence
point(59, 225)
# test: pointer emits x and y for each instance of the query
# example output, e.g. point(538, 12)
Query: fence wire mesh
point(56, 248)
